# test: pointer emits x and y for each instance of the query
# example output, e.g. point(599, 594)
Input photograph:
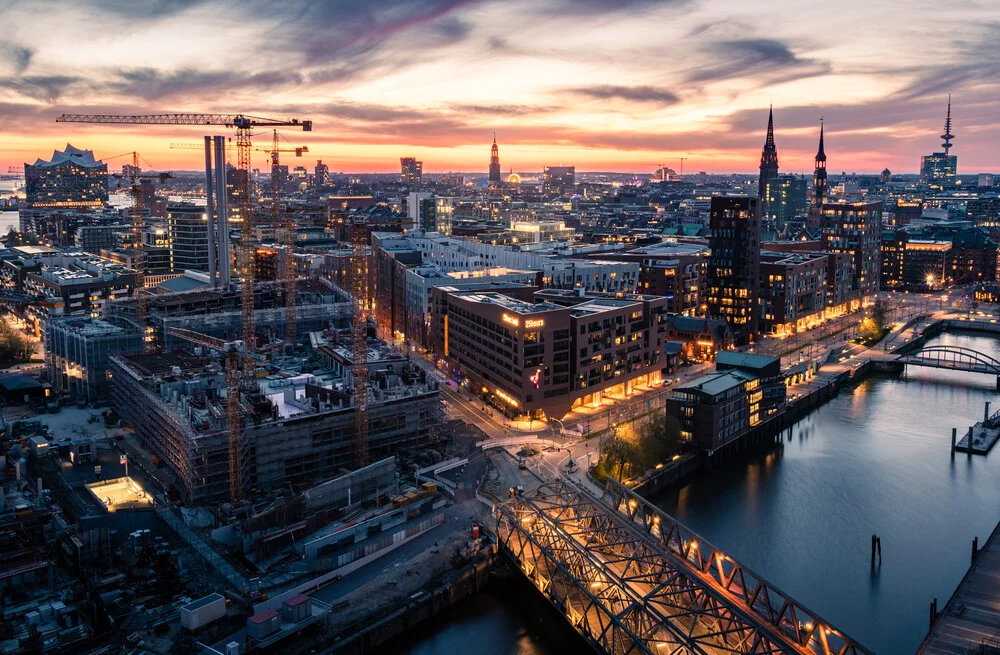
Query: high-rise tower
point(768, 159)
point(495, 180)
point(819, 175)
point(947, 136)
point(939, 169)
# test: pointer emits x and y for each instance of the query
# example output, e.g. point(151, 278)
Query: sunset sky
point(621, 85)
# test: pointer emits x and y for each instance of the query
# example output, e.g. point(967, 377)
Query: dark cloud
point(452, 28)
point(141, 9)
point(151, 84)
point(644, 94)
point(768, 58)
point(18, 56)
point(597, 7)
point(47, 88)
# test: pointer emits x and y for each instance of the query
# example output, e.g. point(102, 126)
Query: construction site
point(298, 424)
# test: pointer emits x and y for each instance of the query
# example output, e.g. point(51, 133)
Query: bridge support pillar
point(954, 435)
point(998, 383)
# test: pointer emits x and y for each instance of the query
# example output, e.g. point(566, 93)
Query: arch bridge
point(952, 357)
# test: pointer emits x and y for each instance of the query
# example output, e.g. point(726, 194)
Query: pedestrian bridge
point(631, 579)
point(952, 357)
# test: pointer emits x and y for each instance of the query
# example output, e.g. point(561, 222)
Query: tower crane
point(288, 225)
point(234, 352)
point(244, 126)
point(134, 178)
point(359, 334)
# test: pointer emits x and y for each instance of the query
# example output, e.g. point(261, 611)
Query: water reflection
point(874, 460)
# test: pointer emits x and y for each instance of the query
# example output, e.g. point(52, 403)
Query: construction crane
point(359, 334)
point(298, 150)
point(288, 226)
point(134, 179)
point(244, 126)
point(234, 352)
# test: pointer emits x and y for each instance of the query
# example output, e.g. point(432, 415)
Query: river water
point(872, 460)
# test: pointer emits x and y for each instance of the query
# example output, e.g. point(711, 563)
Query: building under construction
point(299, 427)
point(319, 305)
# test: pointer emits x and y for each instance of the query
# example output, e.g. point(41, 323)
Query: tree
point(872, 328)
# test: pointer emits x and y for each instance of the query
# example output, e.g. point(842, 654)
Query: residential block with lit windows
point(564, 349)
point(734, 264)
point(717, 410)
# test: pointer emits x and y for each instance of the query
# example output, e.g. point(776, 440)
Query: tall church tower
point(819, 175)
point(495, 180)
point(768, 160)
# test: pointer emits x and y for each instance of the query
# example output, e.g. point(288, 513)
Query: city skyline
point(633, 86)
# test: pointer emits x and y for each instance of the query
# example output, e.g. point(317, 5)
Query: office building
point(187, 232)
point(985, 180)
point(768, 163)
point(560, 180)
point(71, 178)
point(734, 264)
point(421, 212)
point(785, 198)
point(938, 169)
point(983, 212)
point(420, 281)
point(495, 178)
point(411, 171)
point(78, 350)
point(541, 359)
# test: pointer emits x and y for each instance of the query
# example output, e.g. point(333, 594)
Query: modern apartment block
point(855, 229)
point(78, 350)
point(717, 410)
point(565, 348)
point(793, 291)
point(734, 264)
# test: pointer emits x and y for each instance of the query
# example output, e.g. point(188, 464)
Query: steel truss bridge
point(952, 357)
point(631, 579)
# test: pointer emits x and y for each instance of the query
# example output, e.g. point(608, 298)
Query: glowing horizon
point(623, 86)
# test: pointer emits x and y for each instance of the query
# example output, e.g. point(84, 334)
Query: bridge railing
point(740, 587)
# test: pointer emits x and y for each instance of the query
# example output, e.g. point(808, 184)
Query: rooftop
point(70, 155)
point(510, 304)
point(744, 360)
point(718, 382)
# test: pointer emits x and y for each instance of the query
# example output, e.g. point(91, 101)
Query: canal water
point(874, 459)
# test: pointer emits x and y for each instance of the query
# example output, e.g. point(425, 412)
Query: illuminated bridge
point(952, 357)
point(631, 579)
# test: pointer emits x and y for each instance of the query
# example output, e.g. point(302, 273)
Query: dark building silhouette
point(411, 171)
point(734, 264)
point(768, 161)
point(495, 179)
point(940, 168)
point(820, 186)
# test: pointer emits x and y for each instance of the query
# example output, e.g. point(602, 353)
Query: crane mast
point(138, 252)
point(233, 351)
point(359, 334)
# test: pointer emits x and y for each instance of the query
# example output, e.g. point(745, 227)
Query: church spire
point(947, 136)
point(819, 175)
point(768, 159)
point(494, 178)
